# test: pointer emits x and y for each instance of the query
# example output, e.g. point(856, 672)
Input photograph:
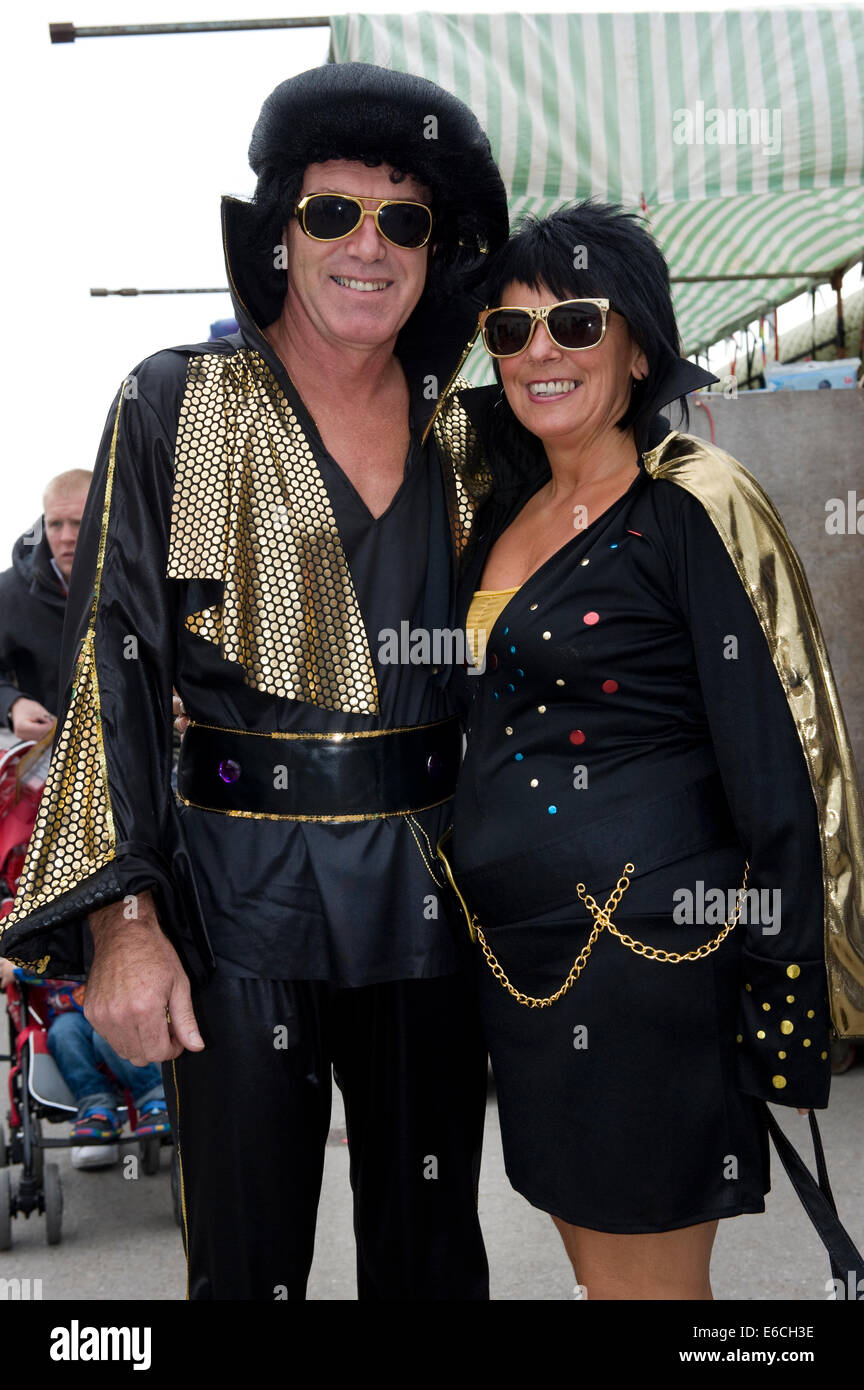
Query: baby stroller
point(37, 1090)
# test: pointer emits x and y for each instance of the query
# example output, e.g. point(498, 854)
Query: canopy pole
point(68, 33)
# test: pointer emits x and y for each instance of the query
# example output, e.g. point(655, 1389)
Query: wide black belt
point(313, 777)
point(651, 834)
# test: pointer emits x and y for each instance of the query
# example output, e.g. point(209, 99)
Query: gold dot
point(767, 1008)
point(541, 709)
point(761, 1033)
point(823, 1055)
point(782, 1056)
point(559, 681)
point(793, 971)
point(532, 607)
point(786, 1027)
point(790, 998)
point(508, 730)
point(748, 988)
point(739, 1038)
point(534, 782)
point(778, 1081)
point(546, 636)
point(585, 562)
point(811, 1013)
point(805, 1042)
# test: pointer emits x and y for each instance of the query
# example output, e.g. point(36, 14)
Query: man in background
point(32, 607)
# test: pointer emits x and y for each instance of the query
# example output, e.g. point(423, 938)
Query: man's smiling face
point(360, 290)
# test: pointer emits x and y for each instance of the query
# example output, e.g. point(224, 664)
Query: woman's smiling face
point(556, 392)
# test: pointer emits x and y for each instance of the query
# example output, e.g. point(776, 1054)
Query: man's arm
point(107, 830)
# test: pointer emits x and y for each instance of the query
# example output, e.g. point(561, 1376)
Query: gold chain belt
point(602, 918)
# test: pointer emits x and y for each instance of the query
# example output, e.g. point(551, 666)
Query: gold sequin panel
point(466, 474)
point(251, 509)
point(774, 579)
point(74, 832)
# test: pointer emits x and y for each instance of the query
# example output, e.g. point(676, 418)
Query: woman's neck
point(590, 463)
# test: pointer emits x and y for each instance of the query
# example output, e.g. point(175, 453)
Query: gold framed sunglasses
point(572, 324)
point(332, 216)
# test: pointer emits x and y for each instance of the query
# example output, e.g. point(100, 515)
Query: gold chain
point(602, 918)
point(699, 952)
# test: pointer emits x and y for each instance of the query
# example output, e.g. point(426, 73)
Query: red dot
point(577, 736)
point(591, 618)
point(610, 687)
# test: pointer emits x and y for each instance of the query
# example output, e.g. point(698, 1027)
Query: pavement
point(120, 1240)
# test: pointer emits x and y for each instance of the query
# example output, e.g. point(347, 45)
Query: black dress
point(630, 711)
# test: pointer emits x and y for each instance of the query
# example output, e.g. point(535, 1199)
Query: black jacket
point(32, 606)
point(127, 641)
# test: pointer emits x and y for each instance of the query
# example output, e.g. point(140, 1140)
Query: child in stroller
point(93, 1071)
point(37, 1009)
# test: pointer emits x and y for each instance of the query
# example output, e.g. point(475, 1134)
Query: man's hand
point(7, 973)
point(181, 721)
point(136, 981)
point(30, 719)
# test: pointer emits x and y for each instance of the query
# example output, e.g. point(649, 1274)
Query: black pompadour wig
point(378, 116)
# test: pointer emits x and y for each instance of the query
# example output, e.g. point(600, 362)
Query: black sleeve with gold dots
point(784, 1022)
point(105, 830)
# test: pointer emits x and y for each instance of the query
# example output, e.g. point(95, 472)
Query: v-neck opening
point(580, 536)
point(313, 434)
point(407, 476)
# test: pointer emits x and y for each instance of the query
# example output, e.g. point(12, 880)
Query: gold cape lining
point(772, 575)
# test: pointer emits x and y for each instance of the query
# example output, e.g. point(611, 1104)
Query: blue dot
point(511, 688)
point(520, 672)
point(614, 545)
point(553, 810)
point(494, 694)
point(506, 630)
point(513, 649)
point(518, 757)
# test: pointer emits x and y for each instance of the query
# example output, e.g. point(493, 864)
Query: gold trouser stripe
point(180, 1166)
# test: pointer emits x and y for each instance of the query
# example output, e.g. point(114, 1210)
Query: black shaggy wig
point(378, 116)
point(596, 250)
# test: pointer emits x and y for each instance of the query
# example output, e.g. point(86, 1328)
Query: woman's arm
point(784, 1021)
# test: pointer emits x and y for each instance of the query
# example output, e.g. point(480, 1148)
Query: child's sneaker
point(152, 1119)
point(96, 1123)
point(95, 1156)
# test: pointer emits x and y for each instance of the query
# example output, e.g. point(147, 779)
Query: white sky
point(115, 154)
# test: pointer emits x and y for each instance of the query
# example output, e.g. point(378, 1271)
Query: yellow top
point(486, 606)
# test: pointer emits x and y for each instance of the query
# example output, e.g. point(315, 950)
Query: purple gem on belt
point(229, 771)
point(433, 765)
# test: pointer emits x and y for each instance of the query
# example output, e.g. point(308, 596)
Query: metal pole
point(100, 294)
point(68, 33)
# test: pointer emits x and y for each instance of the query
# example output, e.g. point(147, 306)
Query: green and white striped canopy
point(740, 135)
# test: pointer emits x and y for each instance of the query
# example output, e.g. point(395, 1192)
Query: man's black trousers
point(251, 1115)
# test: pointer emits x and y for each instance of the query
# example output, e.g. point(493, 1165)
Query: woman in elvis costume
point(656, 825)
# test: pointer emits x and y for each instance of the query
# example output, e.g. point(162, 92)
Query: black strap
point(847, 1264)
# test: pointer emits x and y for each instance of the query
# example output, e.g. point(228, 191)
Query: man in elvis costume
point(264, 508)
